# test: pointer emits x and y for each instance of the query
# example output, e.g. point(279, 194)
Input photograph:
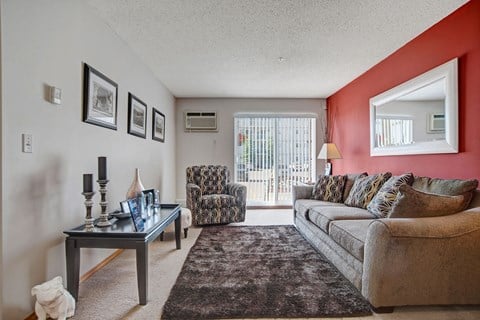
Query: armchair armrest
point(423, 261)
point(193, 196)
point(239, 191)
point(301, 192)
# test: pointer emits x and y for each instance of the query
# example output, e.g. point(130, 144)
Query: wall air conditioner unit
point(200, 121)
point(436, 123)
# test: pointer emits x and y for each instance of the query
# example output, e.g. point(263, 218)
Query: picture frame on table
point(100, 98)
point(146, 192)
point(124, 206)
point(158, 125)
point(150, 195)
point(137, 116)
point(136, 216)
point(155, 197)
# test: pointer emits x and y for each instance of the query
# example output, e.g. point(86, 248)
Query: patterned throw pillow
point(382, 202)
point(351, 177)
point(329, 188)
point(364, 189)
point(413, 203)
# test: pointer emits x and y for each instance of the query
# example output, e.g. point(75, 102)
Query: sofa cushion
point(382, 202)
point(351, 177)
point(329, 188)
point(323, 216)
point(413, 203)
point(351, 235)
point(365, 188)
point(303, 205)
point(451, 187)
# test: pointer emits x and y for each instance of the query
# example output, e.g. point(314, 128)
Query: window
point(272, 152)
point(393, 131)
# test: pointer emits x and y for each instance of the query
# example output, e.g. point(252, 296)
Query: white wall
point(218, 147)
point(44, 43)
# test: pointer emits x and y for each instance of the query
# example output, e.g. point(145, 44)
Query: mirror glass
point(418, 116)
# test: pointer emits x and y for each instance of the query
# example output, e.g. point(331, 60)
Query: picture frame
point(100, 98)
point(149, 196)
point(148, 191)
point(158, 125)
point(124, 206)
point(155, 197)
point(137, 116)
point(136, 216)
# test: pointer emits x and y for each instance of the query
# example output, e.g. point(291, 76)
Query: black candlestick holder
point(89, 226)
point(103, 221)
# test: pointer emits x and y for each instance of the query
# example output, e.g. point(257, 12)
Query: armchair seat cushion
point(212, 201)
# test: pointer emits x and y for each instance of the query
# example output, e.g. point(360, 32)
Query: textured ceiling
point(231, 48)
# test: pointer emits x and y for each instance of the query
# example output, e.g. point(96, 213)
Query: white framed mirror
point(419, 116)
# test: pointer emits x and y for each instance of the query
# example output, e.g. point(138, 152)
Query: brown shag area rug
point(259, 272)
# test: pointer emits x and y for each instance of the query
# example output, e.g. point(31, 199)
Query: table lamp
point(329, 151)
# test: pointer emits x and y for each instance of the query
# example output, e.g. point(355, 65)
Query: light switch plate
point(55, 95)
point(27, 143)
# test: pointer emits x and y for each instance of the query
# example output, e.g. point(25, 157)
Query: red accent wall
point(458, 35)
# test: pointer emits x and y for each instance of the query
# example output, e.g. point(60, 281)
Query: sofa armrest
point(301, 192)
point(239, 191)
point(193, 197)
point(423, 261)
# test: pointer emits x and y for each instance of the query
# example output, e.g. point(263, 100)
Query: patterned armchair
point(212, 198)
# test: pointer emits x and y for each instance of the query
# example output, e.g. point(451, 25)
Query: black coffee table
point(121, 235)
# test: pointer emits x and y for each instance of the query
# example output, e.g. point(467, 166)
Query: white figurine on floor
point(53, 300)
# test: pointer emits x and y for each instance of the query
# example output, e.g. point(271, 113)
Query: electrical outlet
point(27, 143)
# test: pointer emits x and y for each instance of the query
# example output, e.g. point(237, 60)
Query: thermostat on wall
point(55, 95)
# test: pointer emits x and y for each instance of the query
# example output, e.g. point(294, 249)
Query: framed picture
point(158, 126)
point(124, 206)
point(154, 199)
point(137, 116)
point(99, 99)
point(148, 191)
point(136, 216)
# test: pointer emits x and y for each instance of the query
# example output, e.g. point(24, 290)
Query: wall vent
point(200, 121)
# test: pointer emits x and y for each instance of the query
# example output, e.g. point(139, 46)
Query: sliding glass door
point(273, 152)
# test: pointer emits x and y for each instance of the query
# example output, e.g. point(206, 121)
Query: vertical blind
point(393, 132)
point(272, 152)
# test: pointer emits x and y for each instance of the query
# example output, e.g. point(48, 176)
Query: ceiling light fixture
point(282, 59)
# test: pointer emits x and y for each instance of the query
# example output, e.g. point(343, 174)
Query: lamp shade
point(329, 151)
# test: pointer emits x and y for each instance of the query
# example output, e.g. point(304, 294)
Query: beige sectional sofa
point(397, 261)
